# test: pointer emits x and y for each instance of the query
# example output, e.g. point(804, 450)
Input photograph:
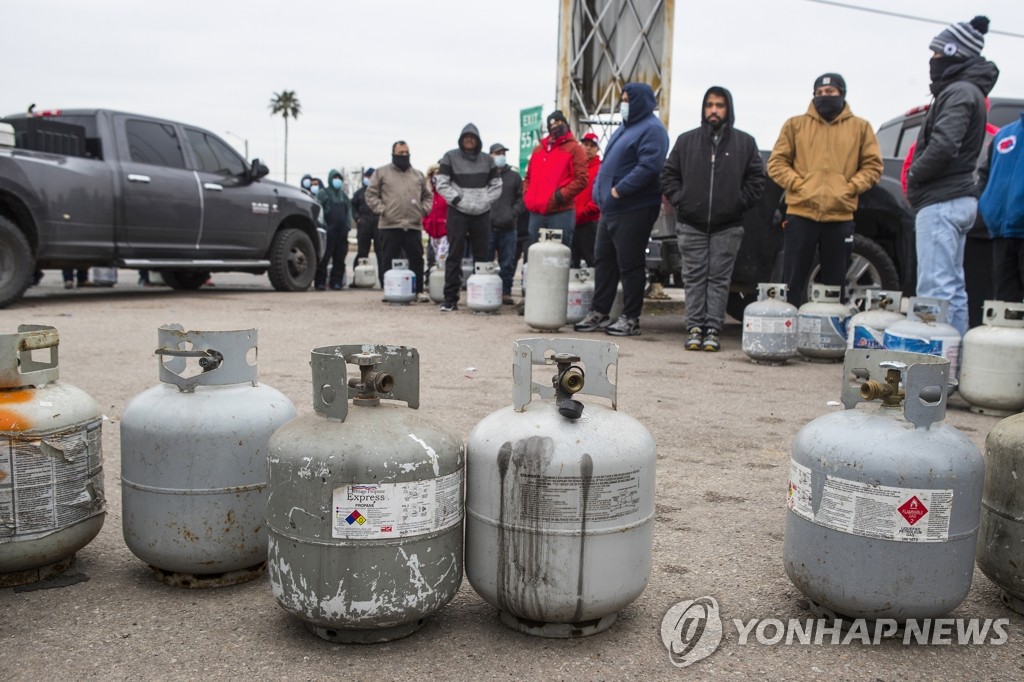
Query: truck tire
point(16, 263)
point(292, 260)
point(870, 268)
point(185, 280)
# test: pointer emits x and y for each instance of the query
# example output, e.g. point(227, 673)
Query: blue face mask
point(306, 183)
point(366, 182)
point(336, 183)
point(624, 110)
point(500, 161)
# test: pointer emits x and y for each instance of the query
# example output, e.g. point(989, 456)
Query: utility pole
point(245, 142)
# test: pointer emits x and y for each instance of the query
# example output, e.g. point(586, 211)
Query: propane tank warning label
point(769, 325)
point(874, 511)
point(568, 499)
point(397, 510)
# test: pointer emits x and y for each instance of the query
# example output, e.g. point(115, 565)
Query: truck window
point(909, 138)
point(213, 155)
point(1001, 116)
point(154, 143)
point(93, 144)
point(888, 138)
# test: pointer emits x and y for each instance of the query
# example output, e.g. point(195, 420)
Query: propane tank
point(467, 271)
point(821, 325)
point(881, 309)
point(365, 514)
point(1001, 537)
point(399, 283)
point(884, 502)
point(435, 282)
point(549, 282)
point(769, 326)
point(992, 373)
point(581, 295)
point(925, 331)
point(193, 460)
point(560, 496)
point(51, 461)
point(483, 292)
point(365, 274)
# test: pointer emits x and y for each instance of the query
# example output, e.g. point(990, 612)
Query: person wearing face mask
point(587, 212)
point(940, 182)
point(307, 185)
point(399, 195)
point(505, 213)
point(337, 214)
point(366, 226)
point(824, 159)
point(557, 172)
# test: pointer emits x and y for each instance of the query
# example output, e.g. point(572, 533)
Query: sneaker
point(449, 307)
point(336, 287)
point(711, 343)
point(508, 300)
point(69, 285)
point(695, 339)
point(422, 298)
point(320, 287)
point(624, 326)
point(593, 322)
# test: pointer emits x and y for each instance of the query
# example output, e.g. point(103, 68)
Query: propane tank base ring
point(1012, 601)
point(202, 581)
point(558, 630)
point(768, 363)
point(846, 622)
point(823, 361)
point(367, 636)
point(34, 575)
point(991, 412)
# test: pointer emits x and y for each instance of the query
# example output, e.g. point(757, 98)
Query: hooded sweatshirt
point(633, 158)
point(468, 179)
point(712, 176)
point(556, 174)
point(337, 207)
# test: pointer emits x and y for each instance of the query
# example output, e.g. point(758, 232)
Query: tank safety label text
point(559, 499)
point(397, 510)
point(769, 325)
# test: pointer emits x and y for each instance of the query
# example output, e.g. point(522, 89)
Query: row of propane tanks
point(366, 514)
point(989, 359)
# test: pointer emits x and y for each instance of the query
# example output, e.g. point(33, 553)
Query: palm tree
point(286, 104)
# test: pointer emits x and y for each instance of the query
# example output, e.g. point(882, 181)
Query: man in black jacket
point(367, 227)
point(504, 219)
point(712, 176)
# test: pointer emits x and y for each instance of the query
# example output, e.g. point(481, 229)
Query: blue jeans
point(503, 242)
point(941, 231)
point(564, 221)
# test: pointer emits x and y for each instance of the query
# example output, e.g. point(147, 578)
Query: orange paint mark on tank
point(20, 396)
point(12, 421)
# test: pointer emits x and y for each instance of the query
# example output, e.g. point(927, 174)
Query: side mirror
point(258, 170)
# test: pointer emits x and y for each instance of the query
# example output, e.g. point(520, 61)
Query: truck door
point(161, 198)
point(236, 211)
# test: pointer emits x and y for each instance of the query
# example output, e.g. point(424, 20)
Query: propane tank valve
point(370, 382)
point(568, 381)
point(889, 391)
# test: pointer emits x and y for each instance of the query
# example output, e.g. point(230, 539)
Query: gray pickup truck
point(93, 187)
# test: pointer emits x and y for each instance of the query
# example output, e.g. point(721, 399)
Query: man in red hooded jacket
point(556, 174)
point(587, 212)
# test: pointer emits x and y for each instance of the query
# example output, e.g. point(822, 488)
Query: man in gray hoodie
point(469, 181)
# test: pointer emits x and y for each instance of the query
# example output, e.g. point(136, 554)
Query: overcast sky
point(368, 74)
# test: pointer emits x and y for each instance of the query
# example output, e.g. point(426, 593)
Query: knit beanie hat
point(963, 39)
point(831, 79)
point(555, 116)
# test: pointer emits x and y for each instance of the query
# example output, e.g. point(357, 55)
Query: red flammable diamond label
point(789, 323)
point(913, 510)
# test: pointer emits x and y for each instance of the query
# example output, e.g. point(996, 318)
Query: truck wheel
point(870, 268)
point(738, 302)
point(292, 260)
point(16, 263)
point(184, 280)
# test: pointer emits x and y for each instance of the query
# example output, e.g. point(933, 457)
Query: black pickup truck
point(93, 187)
point(883, 248)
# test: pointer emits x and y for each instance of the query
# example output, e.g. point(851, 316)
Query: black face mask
point(938, 66)
point(401, 162)
point(829, 106)
point(557, 131)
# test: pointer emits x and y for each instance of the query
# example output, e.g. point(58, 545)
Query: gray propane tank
point(1001, 538)
point(364, 275)
point(925, 331)
point(992, 373)
point(821, 325)
point(365, 514)
point(193, 460)
point(435, 281)
point(51, 461)
point(399, 283)
point(549, 282)
point(467, 271)
point(881, 309)
point(560, 496)
point(769, 326)
point(884, 502)
point(580, 295)
point(483, 291)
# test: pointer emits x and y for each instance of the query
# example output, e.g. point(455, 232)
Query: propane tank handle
point(223, 356)
point(597, 357)
point(17, 367)
point(924, 378)
point(331, 389)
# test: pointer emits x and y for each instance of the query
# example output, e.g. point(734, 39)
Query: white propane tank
point(483, 291)
point(435, 282)
point(1001, 537)
point(193, 460)
point(467, 271)
point(881, 309)
point(549, 282)
point(821, 325)
point(365, 274)
point(51, 460)
point(925, 331)
point(580, 296)
point(884, 502)
point(103, 277)
point(560, 496)
point(769, 326)
point(992, 372)
point(399, 283)
point(365, 515)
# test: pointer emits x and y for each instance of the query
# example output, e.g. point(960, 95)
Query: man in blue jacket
point(1002, 206)
point(628, 192)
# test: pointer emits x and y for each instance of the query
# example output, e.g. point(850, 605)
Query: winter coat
point(557, 172)
point(1002, 202)
point(362, 212)
point(586, 210)
point(950, 141)
point(506, 210)
point(825, 165)
point(337, 207)
point(436, 222)
point(713, 176)
point(400, 198)
point(468, 180)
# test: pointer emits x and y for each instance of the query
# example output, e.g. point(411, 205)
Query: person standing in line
point(940, 182)
point(587, 212)
point(628, 192)
point(824, 159)
point(1002, 206)
point(337, 213)
point(435, 224)
point(557, 172)
point(398, 193)
point(306, 183)
point(505, 212)
point(713, 175)
point(366, 227)
point(469, 181)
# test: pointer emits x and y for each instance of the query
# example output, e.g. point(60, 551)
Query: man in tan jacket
point(824, 160)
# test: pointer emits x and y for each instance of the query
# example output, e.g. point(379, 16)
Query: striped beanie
point(963, 39)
